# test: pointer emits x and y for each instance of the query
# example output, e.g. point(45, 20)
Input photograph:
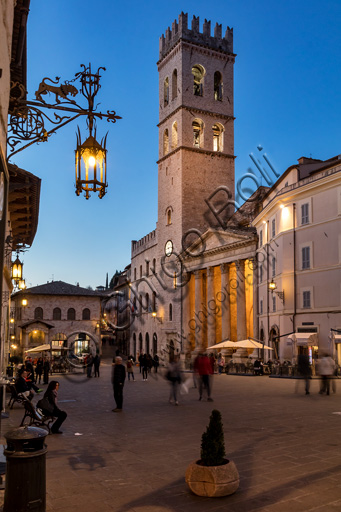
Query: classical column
point(186, 311)
point(211, 308)
point(255, 297)
point(199, 314)
point(241, 306)
point(224, 302)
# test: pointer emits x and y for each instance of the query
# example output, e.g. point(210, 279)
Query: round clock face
point(169, 248)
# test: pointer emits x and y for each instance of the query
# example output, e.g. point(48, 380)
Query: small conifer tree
point(212, 442)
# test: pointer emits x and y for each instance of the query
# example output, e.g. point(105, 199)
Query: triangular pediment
point(217, 239)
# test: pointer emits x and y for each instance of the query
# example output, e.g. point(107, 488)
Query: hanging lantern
point(91, 166)
point(17, 268)
point(22, 284)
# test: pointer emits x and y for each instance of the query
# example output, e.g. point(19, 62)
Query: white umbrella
point(224, 344)
point(251, 344)
point(40, 348)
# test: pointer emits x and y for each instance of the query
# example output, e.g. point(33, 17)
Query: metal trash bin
point(25, 487)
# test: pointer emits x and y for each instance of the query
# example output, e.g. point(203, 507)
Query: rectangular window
point(261, 306)
point(261, 238)
point(147, 268)
point(273, 267)
point(305, 258)
point(273, 228)
point(274, 303)
point(261, 274)
point(305, 213)
point(306, 299)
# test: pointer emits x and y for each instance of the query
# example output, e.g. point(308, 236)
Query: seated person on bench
point(24, 385)
point(51, 395)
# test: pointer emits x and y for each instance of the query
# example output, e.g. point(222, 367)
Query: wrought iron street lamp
point(272, 288)
point(27, 124)
point(17, 270)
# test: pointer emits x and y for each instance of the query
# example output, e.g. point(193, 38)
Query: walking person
point(89, 363)
point(130, 369)
point(221, 363)
point(174, 377)
point(140, 358)
point(205, 372)
point(46, 371)
point(97, 362)
point(326, 368)
point(145, 367)
point(39, 369)
point(117, 378)
point(156, 362)
point(304, 370)
point(51, 395)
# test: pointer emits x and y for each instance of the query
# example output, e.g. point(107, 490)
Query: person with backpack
point(130, 369)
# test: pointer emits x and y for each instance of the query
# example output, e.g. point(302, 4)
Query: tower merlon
point(180, 30)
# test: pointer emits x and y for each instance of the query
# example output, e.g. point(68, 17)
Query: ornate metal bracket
point(27, 119)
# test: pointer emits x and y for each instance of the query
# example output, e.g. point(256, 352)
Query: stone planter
point(212, 481)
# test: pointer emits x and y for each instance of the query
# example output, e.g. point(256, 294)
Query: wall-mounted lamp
point(27, 123)
point(24, 302)
point(158, 318)
point(272, 288)
point(17, 270)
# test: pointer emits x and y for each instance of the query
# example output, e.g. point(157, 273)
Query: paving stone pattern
point(286, 446)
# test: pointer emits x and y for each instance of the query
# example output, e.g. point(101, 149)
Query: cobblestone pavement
point(286, 446)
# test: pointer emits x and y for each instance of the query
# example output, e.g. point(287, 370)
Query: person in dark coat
point(39, 369)
point(97, 362)
point(117, 378)
point(156, 362)
point(51, 395)
point(22, 386)
point(46, 370)
point(29, 368)
point(145, 367)
point(303, 367)
point(89, 362)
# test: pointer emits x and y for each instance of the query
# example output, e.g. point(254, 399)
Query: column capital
point(210, 271)
point(224, 268)
point(197, 274)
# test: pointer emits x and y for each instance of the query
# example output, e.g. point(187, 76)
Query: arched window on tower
point(165, 142)
point(147, 302)
point(166, 92)
point(218, 86)
point(174, 84)
point(218, 142)
point(169, 216)
point(198, 73)
point(86, 314)
point(174, 135)
point(170, 312)
point(154, 265)
point(198, 132)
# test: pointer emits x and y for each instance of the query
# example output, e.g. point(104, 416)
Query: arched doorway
point(274, 340)
point(147, 343)
point(154, 343)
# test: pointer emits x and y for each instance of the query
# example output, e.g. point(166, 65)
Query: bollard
point(25, 487)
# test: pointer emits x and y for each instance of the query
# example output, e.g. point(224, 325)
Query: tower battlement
point(180, 30)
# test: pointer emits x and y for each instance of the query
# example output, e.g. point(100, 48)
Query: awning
point(40, 348)
point(304, 339)
point(224, 344)
point(252, 344)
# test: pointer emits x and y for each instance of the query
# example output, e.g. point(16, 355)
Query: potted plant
point(213, 475)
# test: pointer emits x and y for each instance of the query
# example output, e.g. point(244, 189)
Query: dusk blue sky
point(287, 98)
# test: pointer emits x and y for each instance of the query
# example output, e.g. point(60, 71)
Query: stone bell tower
point(196, 135)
